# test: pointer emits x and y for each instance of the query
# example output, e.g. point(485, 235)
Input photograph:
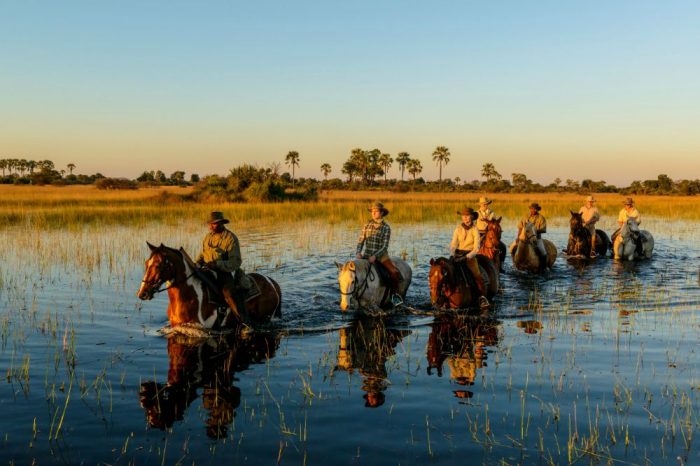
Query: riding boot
point(481, 287)
point(593, 251)
point(394, 278)
point(236, 302)
point(542, 254)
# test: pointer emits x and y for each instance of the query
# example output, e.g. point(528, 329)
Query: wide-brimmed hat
point(590, 199)
point(379, 206)
point(217, 217)
point(628, 201)
point(485, 200)
point(469, 211)
point(535, 206)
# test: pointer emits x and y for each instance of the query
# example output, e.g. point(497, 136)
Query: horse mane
point(447, 265)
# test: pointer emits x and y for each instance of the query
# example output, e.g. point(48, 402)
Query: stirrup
point(593, 254)
point(396, 300)
point(483, 302)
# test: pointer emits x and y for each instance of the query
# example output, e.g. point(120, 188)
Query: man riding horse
point(375, 238)
point(485, 214)
point(464, 246)
point(629, 212)
point(221, 253)
point(590, 216)
point(540, 224)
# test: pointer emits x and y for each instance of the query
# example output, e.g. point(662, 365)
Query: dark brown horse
point(491, 244)
point(194, 299)
point(579, 245)
point(204, 368)
point(450, 289)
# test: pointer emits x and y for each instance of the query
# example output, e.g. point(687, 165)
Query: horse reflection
point(463, 342)
point(209, 365)
point(365, 347)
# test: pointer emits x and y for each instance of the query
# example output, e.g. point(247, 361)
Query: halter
point(355, 293)
point(158, 283)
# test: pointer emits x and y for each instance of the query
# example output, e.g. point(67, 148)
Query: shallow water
point(588, 364)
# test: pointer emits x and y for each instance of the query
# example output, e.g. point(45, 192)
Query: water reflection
point(463, 342)
point(210, 365)
point(365, 346)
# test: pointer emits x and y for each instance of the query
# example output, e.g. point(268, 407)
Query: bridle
point(157, 283)
point(442, 284)
point(356, 292)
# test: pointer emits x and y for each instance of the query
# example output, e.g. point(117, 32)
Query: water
point(593, 364)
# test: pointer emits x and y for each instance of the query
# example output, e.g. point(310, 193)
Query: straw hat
point(535, 206)
point(469, 211)
point(217, 217)
point(628, 201)
point(379, 206)
point(485, 200)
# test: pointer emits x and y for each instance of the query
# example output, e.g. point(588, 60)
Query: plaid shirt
point(375, 238)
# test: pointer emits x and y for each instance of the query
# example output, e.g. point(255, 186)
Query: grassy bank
point(76, 206)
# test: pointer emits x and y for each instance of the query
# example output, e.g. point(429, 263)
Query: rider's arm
point(384, 236)
point(455, 242)
point(361, 241)
point(229, 251)
point(541, 225)
point(476, 241)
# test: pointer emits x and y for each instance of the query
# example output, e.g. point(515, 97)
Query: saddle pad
point(253, 290)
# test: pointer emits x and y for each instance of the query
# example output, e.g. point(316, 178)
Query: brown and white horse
point(525, 256)
point(491, 244)
point(450, 290)
point(361, 287)
point(192, 301)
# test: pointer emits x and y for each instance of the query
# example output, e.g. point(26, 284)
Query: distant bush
point(266, 191)
point(116, 183)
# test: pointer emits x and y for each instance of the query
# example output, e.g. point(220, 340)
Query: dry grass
point(76, 206)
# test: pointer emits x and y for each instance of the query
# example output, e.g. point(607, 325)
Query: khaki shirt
point(486, 214)
point(222, 249)
point(538, 220)
point(633, 213)
point(465, 239)
point(590, 216)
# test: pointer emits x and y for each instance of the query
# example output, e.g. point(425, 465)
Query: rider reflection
point(210, 365)
point(463, 342)
point(366, 346)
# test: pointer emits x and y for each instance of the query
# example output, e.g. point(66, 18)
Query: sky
point(605, 90)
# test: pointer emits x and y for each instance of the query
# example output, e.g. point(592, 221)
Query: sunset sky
point(607, 90)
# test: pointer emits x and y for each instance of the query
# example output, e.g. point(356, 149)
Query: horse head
point(528, 234)
point(441, 280)
point(493, 232)
point(576, 221)
point(347, 279)
point(161, 267)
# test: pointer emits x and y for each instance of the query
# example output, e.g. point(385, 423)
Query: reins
point(363, 286)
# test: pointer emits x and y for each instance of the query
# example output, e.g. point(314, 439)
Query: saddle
point(383, 273)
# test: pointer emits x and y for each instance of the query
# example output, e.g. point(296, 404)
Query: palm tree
point(414, 167)
point(402, 159)
point(3, 166)
point(31, 165)
point(71, 167)
point(441, 155)
point(292, 159)
point(489, 172)
point(326, 170)
point(385, 161)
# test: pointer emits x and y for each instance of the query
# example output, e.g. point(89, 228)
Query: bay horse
point(192, 298)
point(450, 289)
point(624, 245)
point(491, 244)
point(524, 255)
point(362, 288)
point(204, 368)
point(579, 246)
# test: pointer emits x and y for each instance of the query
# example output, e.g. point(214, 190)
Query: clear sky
point(571, 89)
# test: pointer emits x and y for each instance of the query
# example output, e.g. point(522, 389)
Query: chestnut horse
point(579, 246)
point(491, 244)
point(449, 289)
point(524, 255)
point(193, 299)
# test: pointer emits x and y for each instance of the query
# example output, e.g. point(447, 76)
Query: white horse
point(361, 288)
point(523, 250)
point(624, 246)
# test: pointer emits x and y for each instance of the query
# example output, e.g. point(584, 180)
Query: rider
point(221, 253)
point(485, 214)
point(464, 247)
point(375, 237)
point(590, 216)
point(540, 224)
point(630, 212)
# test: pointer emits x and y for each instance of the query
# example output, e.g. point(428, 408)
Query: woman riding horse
point(464, 247)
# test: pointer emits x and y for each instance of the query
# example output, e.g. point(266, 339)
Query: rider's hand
point(471, 255)
point(372, 259)
point(358, 255)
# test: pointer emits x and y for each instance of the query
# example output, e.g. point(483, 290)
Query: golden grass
point(76, 206)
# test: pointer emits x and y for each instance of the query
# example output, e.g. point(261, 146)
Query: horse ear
point(351, 266)
point(498, 220)
point(151, 247)
point(432, 261)
point(573, 214)
point(339, 265)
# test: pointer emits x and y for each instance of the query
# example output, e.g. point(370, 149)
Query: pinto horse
point(579, 245)
point(193, 299)
point(525, 256)
point(491, 245)
point(362, 288)
point(624, 245)
point(450, 289)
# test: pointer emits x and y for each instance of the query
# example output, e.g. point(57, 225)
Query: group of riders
point(221, 251)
